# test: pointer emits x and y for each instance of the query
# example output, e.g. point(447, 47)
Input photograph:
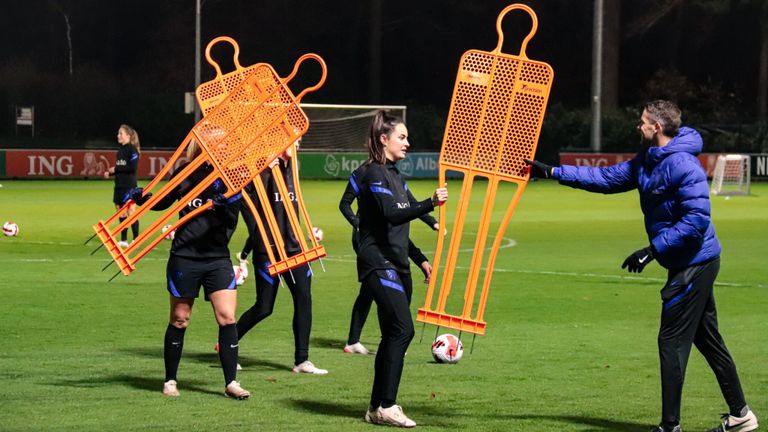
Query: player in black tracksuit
point(363, 301)
point(126, 165)
point(200, 256)
point(385, 210)
point(299, 280)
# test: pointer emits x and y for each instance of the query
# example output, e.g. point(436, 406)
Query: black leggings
point(689, 316)
point(360, 312)
point(266, 294)
point(392, 293)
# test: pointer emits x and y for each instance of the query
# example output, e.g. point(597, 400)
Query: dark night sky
point(129, 48)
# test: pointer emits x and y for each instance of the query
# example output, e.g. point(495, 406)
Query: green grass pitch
point(571, 342)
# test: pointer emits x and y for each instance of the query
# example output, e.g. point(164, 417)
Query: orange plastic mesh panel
point(239, 137)
point(256, 123)
point(211, 93)
point(267, 89)
point(497, 109)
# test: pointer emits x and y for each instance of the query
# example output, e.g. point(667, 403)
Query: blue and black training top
point(385, 209)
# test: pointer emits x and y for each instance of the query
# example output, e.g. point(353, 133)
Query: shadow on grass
point(339, 344)
point(153, 385)
point(328, 343)
point(600, 424)
point(211, 358)
point(357, 410)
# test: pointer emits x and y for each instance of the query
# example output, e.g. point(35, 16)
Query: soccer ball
point(447, 348)
point(10, 229)
point(241, 273)
point(318, 233)
point(171, 234)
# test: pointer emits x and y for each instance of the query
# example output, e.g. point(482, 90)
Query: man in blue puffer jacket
point(674, 198)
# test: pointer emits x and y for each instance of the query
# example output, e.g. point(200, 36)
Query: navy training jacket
point(674, 197)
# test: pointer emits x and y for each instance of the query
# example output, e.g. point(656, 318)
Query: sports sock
point(387, 403)
point(123, 233)
point(173, 345)
point(740, 413)
point(135, 229)
point(228, 350)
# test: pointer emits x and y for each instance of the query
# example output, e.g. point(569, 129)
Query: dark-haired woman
point(382, 261)
point(362, 305)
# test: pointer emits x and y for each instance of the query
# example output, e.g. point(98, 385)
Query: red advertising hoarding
point(77, 163)
point(707, 160)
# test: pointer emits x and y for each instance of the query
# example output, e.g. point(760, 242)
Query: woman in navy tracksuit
point(382, 261)
point(363, 301)
point(300, 279)
point(124, 171)
point(674, 198)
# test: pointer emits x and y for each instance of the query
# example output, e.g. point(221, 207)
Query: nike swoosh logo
point(234, 346)
point(642, 260)
point(735, 425)
point(376, 183)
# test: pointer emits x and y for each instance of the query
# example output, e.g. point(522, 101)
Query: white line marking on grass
point(508, 243)
point(48, 243)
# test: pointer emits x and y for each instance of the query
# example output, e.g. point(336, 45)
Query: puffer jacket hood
point(687, 140)
point(674, 197)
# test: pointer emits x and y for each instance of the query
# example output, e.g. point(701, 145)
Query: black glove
point(137, 195)
point(539, 169)
point(636, 262)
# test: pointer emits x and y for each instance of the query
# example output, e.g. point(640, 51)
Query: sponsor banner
point(758, 162)
point(76, 163)
point(93, 163)
point(341, 165)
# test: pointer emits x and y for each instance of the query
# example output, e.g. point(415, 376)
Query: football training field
point(570, 346)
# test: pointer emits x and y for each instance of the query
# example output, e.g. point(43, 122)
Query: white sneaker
point(392, 416)
point(123, 244)
point(369, 414)
point(169, 388)
point(737, 424)
point(356, 348)
point(234, 391)
point(307, 367)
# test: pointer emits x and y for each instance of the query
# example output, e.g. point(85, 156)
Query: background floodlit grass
point(571, 342)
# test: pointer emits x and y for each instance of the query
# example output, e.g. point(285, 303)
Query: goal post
point(731, 175)
point(342, 128)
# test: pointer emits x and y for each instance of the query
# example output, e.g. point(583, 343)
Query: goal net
point(342, 127)
point(731, 175)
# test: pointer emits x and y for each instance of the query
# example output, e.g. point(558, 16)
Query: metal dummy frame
point(252, 125)
point(208, 96)
point(495, 118)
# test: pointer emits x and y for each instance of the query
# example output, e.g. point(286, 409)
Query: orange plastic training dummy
point(252, 123)
point(493, 124)
point(209, 95)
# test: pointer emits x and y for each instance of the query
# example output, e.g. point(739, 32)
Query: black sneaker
point(731, 423)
